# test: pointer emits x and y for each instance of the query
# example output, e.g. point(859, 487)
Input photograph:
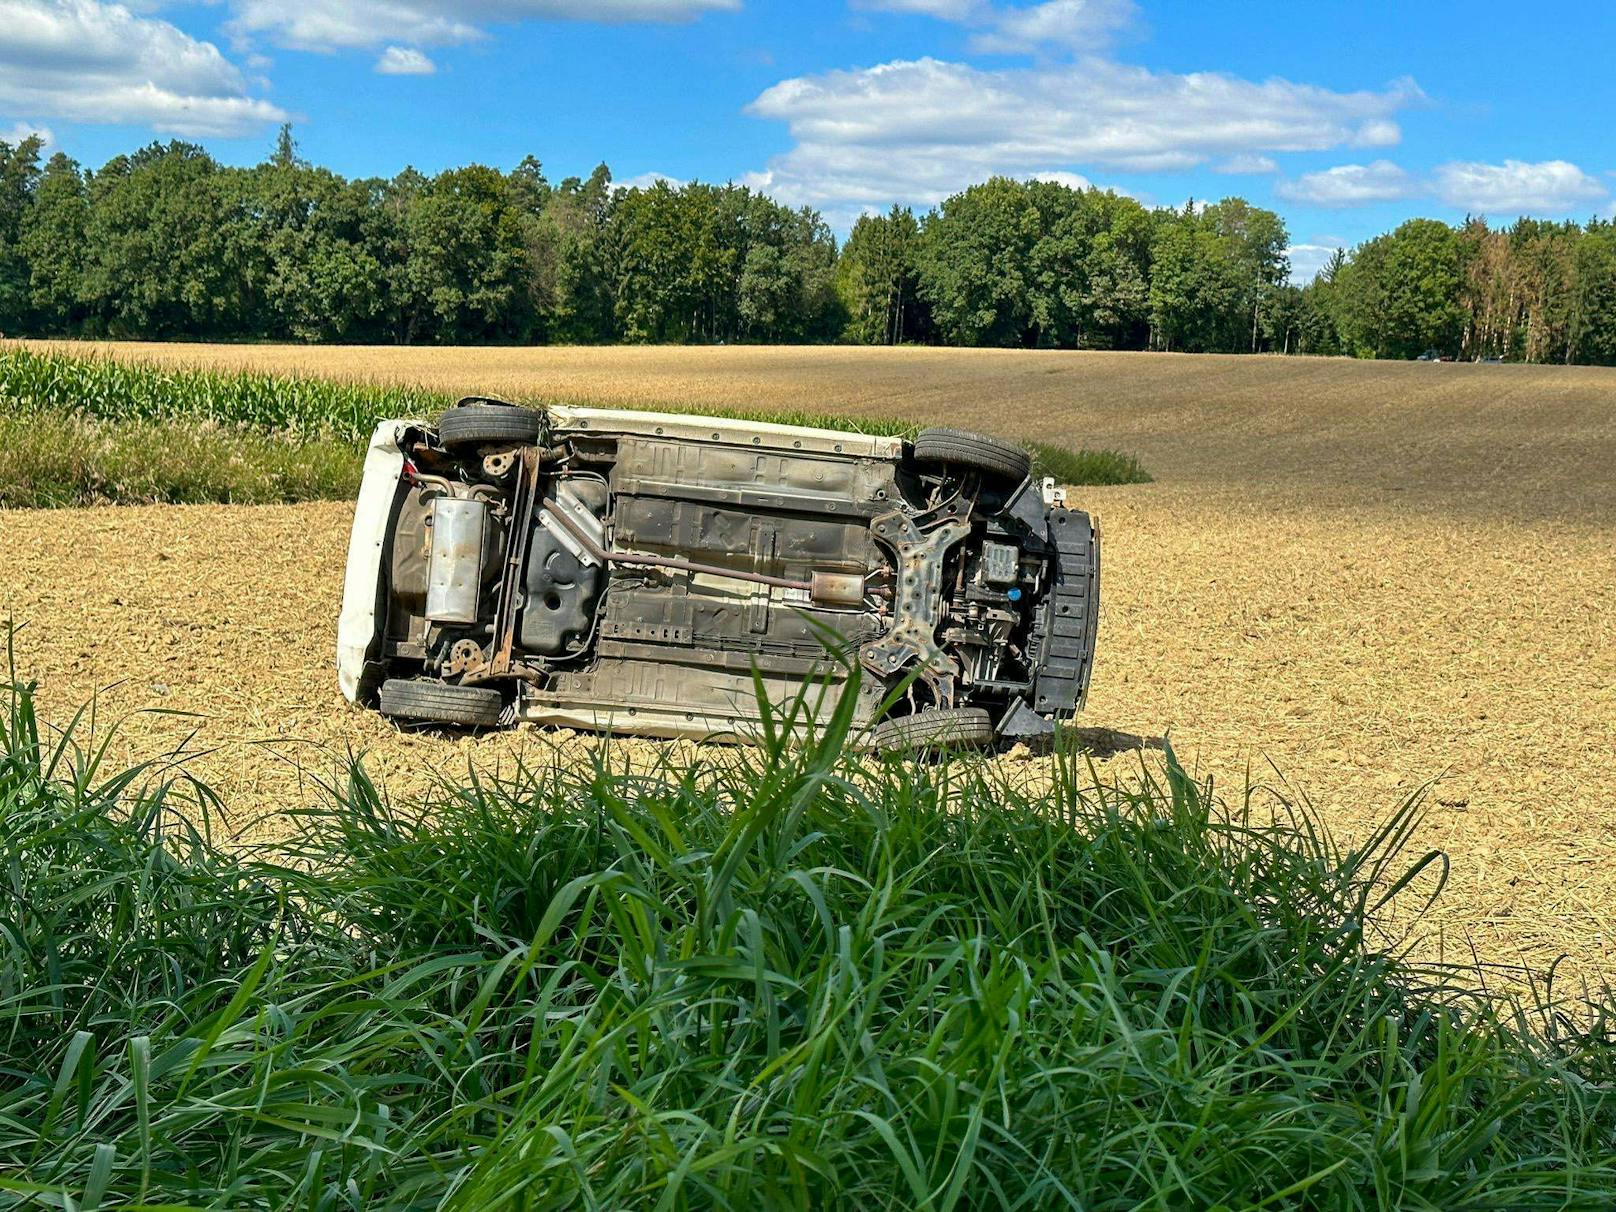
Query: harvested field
point(1527, 441)
point(1369, 575)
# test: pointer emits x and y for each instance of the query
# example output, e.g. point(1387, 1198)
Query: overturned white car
point(636, 572)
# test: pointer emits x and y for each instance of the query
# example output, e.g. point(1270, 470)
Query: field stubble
point(1360, 577)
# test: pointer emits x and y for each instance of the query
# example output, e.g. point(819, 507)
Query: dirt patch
point(1357, 653)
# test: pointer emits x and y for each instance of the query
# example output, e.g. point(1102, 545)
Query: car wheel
point(957, 448)
point(440, 703)
point(942, 727)
point(483, 423)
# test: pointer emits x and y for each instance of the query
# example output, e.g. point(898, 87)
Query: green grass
point(50, 459)
point(1084, 467)
point(92, 430)
point(771, 979)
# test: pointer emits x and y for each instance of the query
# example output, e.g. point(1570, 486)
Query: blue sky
point(1346, 118)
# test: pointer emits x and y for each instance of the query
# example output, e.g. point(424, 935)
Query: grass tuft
point(771, 979)
point(1083, 467)
point(94, 430)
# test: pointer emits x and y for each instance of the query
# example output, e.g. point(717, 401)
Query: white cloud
point(324, 25)
point(1307, 259)
point(404, 61)
point(1067, 25)
point(1051, 25)
point(1516, 187)
point(1247, 163)
point(1351, 185)
point(943, 10)
point(1061, 177)
point(916, 130)
point(1378, 132)
point(86, 61)
point(647, 180)
point(18, 131)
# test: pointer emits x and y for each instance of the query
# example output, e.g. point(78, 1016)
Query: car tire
point(423, 700)
point(940, 728)
point(958, 448)
point(485, 422)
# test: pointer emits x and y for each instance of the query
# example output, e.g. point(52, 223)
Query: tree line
point(167, 243)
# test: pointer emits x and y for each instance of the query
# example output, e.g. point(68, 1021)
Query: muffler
point(455, 563)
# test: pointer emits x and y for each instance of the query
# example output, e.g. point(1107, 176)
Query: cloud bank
point(86, 61)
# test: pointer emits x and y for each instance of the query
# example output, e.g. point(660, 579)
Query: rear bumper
point(361, 619)
point(1071, 614)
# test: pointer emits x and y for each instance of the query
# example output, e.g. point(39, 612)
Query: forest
point(166, 243)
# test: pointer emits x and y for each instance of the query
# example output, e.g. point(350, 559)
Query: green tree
point(458, 257)
point(997, 266)
point(1592, 335)
point(53, 238)
point(1196, 297)
point(1399, 294)
point(876, 279)
point(567, 259)
point(656, 245)
point(1113, 307)
point(1255, 241)
point(165, 247)
point(718, 263)
point(323, 282)
point(808, 253)
point(19, 177)
point(768, 291)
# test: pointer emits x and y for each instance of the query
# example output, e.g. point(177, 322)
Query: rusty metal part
point(497, 466)
point(522, 506)
point(836, 588)
point(465, 656)
point(442, 483)
point(427, 481)
point(607, 556)
point(918, 609)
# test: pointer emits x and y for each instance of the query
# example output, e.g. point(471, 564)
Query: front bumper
point(362, 587)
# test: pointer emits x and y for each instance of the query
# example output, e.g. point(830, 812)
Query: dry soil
point(1351, 579)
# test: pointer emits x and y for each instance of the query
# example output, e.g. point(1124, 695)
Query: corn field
point(295, 405)
point(103, 432)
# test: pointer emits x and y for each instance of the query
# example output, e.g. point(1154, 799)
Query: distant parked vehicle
point(1491, 360)
point(1429, 355)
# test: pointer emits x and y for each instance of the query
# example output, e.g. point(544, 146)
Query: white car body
point(706, 556)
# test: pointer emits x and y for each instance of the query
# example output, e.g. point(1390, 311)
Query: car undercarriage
point(651, 574)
